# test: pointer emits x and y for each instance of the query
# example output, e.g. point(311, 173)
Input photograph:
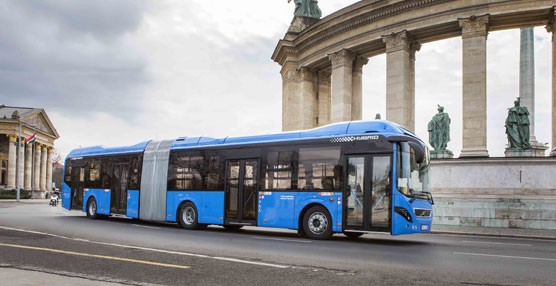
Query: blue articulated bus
point(351, 178)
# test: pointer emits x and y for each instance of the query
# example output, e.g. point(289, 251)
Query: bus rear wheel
point(317, 223)
point(92, 209)
point(189, 217)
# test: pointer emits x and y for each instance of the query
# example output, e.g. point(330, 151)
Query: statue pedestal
point(518, 153)
point(538, 148)
point(299, 23)
point(441, 154)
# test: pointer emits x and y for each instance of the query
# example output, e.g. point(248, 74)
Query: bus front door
point(368, 192)
point(77, 181)
point(241, 191)
point(118, 195)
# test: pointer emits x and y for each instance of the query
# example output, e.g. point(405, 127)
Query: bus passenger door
point(77, 181)
point(368, 192)
point(118, 195)
point(241, 191)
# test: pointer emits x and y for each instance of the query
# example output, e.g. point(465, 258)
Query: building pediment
point(39, 121)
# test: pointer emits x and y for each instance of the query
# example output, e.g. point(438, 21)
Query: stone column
point(399, 101)
point(28, 163)
point(290, 105)
point(323, 98)
point(551, 28)
point(49, 169)
point(307, 98)
point(357, 87)
point(341, 85)
point(43, 168)
point(37, 168)
point(21, 161)
point(413, 49)
point(527, 85)
point(12, 157)
point(474, 35)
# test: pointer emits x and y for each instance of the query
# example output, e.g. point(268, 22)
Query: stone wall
point(495, 192)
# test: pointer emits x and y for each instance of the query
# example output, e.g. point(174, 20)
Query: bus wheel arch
point(303, 228)
point(188, 215)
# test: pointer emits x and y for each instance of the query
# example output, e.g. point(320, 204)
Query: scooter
point(54, 200)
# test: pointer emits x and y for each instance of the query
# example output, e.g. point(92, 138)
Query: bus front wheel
point(189, 218)
point(92, 209)
point(317, 223)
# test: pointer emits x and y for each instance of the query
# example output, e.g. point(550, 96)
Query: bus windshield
point(413, 178)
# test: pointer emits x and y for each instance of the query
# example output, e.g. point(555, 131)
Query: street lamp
point(18, 161)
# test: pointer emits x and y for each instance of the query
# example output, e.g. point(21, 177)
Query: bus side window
point(318, 168)
point(67, 178)
point(279, 170)
point(105, 173)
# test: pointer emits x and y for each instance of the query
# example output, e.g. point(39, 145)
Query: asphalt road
point(39, 238)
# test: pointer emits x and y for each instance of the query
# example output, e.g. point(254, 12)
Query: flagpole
point(19, 159)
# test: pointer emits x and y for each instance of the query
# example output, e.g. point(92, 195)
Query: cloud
point(66, 55)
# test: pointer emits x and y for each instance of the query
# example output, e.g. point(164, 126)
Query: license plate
point(424, 227)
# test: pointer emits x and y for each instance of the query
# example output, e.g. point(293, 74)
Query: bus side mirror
point(419, 151)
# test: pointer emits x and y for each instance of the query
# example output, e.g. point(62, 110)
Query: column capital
point(290, 73)
point(307, 74)
point(342, 58)
point(550, 26)
point(397, 41)
point(44, 147)
point(12, 138)
point(359, 62)
point(474, 26)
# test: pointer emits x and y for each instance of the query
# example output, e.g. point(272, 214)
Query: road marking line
point(502, 243)
point(505, 256)
point(152, 227)
point(153, 249)
point(95, 256)
point(282, 239)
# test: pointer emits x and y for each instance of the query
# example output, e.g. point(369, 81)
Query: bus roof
point(338, 129)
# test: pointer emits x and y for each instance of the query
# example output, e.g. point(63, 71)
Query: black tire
point(92, 207)
point(301, 232)
point(353, 234)
point(188, 216)
point(232, 227)
point(317, 223)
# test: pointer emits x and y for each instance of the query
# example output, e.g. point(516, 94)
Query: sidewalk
point(36, 277)
point(494, 231)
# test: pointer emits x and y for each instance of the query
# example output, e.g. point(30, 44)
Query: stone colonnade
point(313, 98)
point(551, 28)
point(37, 177)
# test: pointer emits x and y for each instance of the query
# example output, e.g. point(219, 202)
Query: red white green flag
point(31, 139)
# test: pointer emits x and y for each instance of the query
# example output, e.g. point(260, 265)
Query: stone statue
point(439, 134)
point(307, 8)
point(517, 127)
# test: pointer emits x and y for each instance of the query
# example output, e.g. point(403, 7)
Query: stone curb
point(540, 237)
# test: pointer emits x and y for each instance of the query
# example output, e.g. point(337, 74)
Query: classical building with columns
point(322, 59)
point(35, 159)
point(322, 62)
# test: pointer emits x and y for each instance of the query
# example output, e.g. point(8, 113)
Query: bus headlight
point(403, 212)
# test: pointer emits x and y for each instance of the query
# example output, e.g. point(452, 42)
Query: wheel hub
point(318, 223)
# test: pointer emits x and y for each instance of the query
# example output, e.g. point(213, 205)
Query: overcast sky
point(120, 72)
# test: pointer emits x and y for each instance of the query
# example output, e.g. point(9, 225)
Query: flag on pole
point(31, 139)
